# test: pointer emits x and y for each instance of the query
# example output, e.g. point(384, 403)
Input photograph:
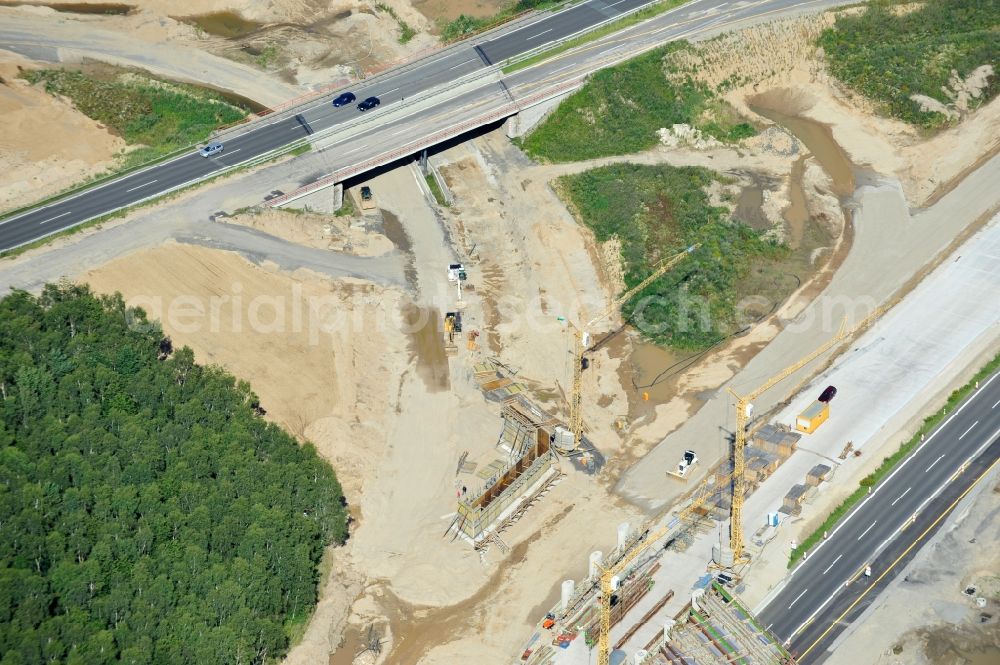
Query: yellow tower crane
point(743, 406)
point(583, 341)
point(604, 638)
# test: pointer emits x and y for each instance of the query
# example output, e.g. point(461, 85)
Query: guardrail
point(389, 156)
point(556, 43)
point(296, 105)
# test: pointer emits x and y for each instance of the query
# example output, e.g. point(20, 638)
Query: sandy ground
point(393, 414)
point(46, 144)
point(335, 386)
point(300, 44)
point(780, 57)
point(347, 235)
point(281, 50)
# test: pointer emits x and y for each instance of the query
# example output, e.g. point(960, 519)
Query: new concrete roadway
point(398, 120)
point(892, 513)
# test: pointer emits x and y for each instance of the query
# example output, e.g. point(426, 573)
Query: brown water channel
point(654, 365)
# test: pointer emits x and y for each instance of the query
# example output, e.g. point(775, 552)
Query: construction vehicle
point(367, 198)
point(744, 409)
point(456, 272)
point(575, 432)
point(688, 460)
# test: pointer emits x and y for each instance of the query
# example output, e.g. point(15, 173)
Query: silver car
point(210, 149)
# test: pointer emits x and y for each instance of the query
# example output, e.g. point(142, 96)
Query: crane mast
point(582, 340)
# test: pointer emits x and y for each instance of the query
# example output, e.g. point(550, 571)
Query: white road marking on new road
point(832, 564)
point(797, 598)
point(995, 405)
point(362, 147)
point(901, 496)
point(140, 186)
point(968, 430)
point(934, 462)
point(51, 218)
point(462, 63)
point(540, 34)
point(867, 530)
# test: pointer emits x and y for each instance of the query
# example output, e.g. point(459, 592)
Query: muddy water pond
point(224, 24)
point(426, 339)
point(818, 138)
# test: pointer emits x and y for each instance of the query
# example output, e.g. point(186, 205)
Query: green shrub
point(655, 211)
point(619, 110)
point(142, 111)
point(888, 58)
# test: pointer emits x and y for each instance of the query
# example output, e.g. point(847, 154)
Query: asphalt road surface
point(814, 595)
point(393, 88)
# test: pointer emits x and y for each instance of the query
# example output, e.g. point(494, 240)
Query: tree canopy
point(148, 514)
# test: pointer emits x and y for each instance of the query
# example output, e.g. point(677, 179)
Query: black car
point(344, 99)
point(828, 394)
point(369, 104)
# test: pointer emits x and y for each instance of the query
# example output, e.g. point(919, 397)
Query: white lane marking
point(901, 496)
point(540, 34)
point(934, 462)
point(968, 430)
point(867, 530)
point(797, 598)
point(393, 90)
point(995, 405)
point(231, 152)
point(563, 68)
point(140, 186)
point(405, 131)
point(56, 217)
point(878, 488)
point(464, 63)
point(356, 149)
point(832, 564)
point(616, 3)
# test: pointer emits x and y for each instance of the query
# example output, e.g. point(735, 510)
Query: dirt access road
point(46, 35)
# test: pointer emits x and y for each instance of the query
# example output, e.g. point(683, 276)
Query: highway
point(384, 128)
point(267, 136)
point(889, 519)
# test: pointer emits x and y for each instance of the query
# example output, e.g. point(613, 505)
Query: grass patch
point(620, 109)
point(161, 118)
point(465, 25)
point(655, 211)
point(890, 462)
point(347, 208)
point(435, 188)
point(406, 31)
point(889, 57)
point(626, 22)
point(268, 56)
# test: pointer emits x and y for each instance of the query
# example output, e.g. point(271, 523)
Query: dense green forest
point(888, 55)
point(619, 110)
point(657, 210)
point(148, 514)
